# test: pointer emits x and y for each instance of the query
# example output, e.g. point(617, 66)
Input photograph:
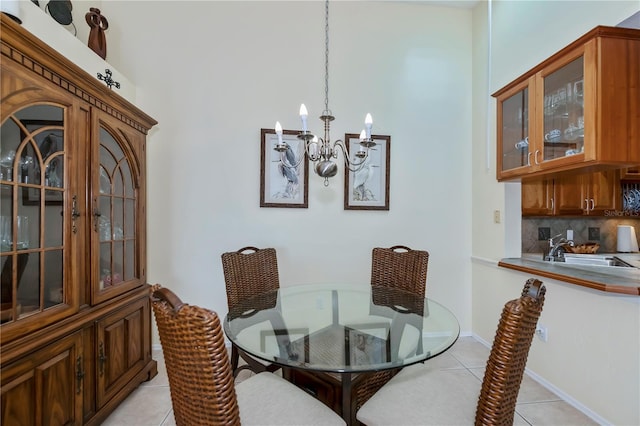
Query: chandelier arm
point(353, 166)
point(307, 153)
point(286, 164)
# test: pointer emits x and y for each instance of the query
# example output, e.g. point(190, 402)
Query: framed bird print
point(284, 175)
point(366, 187)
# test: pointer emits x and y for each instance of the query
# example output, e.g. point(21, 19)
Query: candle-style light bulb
point(368, 121)
point(363, 135)
point(303, 116)
point(279, 131)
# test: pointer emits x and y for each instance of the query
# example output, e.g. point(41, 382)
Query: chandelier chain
point(326, 58)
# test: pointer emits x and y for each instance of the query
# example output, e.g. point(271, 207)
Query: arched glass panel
point(32, 186)
point(117, 220)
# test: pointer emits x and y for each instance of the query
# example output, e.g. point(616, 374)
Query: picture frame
point(368, 189)
point(281, 186)
point(54, 193)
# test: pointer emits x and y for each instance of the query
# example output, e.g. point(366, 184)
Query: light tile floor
point(150, 404)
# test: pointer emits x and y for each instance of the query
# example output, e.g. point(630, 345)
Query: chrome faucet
point(556, 250)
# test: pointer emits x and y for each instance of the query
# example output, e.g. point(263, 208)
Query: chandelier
point(322, 152)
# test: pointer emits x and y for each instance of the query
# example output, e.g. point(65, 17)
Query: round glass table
point(341, 329)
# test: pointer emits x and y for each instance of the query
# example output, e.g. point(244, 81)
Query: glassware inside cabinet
point(515, 130)
point(563, 131)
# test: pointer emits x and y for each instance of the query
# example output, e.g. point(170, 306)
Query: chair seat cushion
point(419, 395)
point(268, 399)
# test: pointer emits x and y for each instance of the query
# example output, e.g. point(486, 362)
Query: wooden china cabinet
point(577, 110)
point(75, 330)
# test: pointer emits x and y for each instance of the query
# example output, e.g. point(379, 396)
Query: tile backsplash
point(602, 230)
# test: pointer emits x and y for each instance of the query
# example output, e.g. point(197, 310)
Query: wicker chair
point(421, 395)
point(397, 267)
point(248, 272)
point(201, 380)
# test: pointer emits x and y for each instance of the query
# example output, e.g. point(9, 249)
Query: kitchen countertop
point(611, 279)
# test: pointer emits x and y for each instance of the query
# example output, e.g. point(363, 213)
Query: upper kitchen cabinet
point(579, 109)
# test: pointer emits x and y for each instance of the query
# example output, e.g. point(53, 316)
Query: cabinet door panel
point(14, 394)
point(538, 197)
point(516, 141)
point(563, 122)
point(54, 376)
point(36, 229)
point(121, 343)
point(46, 387)
point(118, 204)
point(605, 192)
point(572, 198)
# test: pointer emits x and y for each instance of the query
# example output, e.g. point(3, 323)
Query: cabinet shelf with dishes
point(573, 111)
point(75, 325)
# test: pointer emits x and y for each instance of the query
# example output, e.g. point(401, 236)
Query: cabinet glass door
point(563, 133)
point(515, 130)
point(116, 215)
point(32, 191)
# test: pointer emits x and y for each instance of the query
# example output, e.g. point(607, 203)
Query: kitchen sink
point(595, 260)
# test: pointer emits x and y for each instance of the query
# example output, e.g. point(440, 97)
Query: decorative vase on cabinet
point(75, 329)
point(574, 110)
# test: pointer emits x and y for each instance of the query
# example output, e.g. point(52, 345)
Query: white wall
point(214, 73)
point(593, 353)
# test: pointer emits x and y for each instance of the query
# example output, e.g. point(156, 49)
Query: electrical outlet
point(544, 234)
point(496, 216)
point(541, 332)
point(594, 234)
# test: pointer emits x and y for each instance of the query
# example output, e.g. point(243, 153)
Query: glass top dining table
point(341, 328)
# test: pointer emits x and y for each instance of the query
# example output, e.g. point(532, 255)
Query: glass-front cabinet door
point(563, 111)
point(515, 140)
point(116, 214)
point(34, 244)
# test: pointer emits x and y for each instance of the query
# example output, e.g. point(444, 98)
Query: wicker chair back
point(508, 357)
point(400, 267)
point(248, 272)
point(200, 376)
